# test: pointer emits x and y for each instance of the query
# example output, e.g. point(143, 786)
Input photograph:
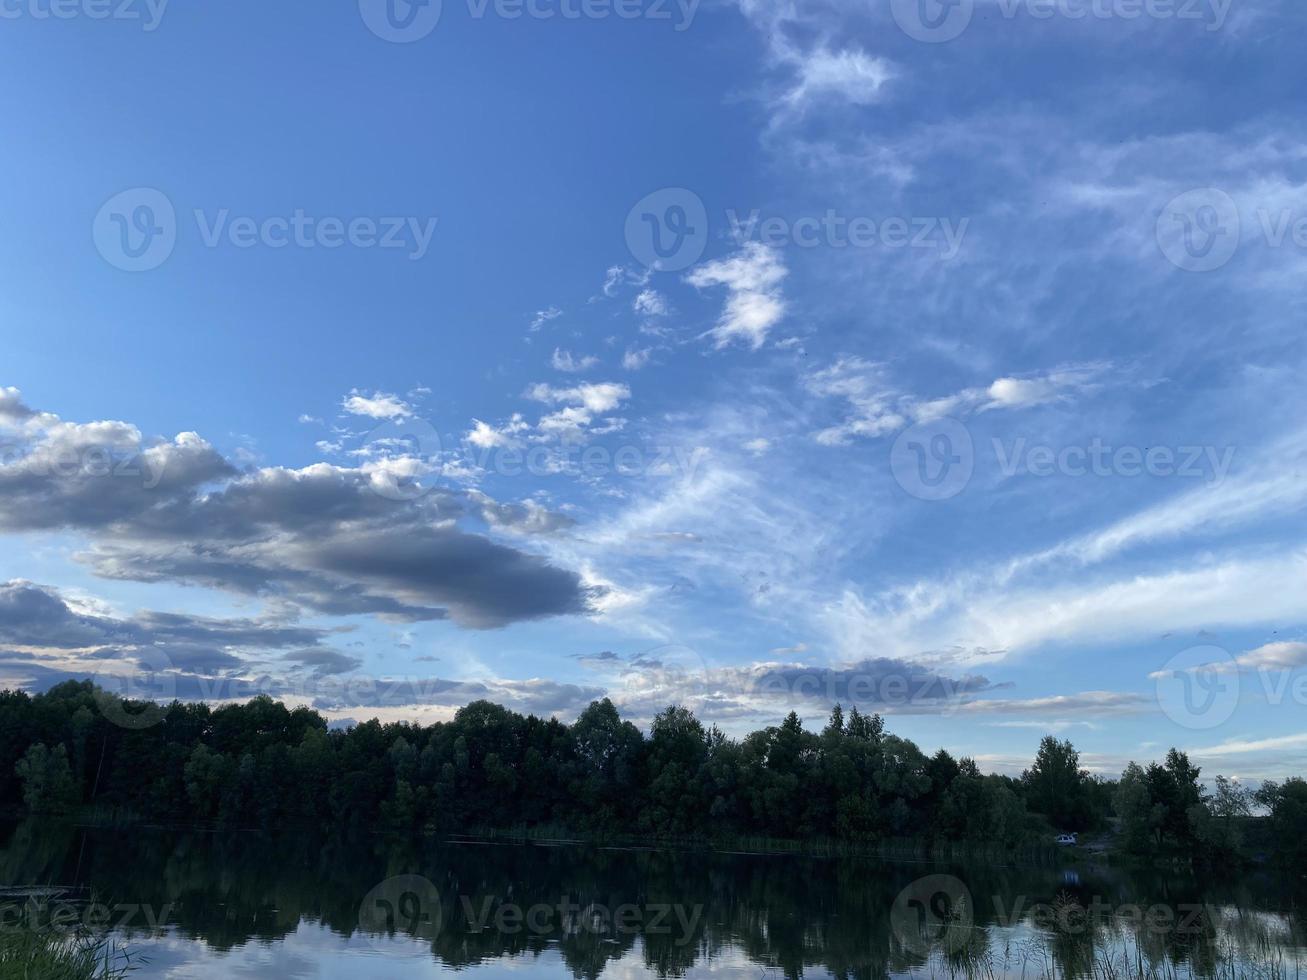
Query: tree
point(1057, 787)
point(47, 779)
point(1287, 803)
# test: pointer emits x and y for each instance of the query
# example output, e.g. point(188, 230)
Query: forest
point(261, 764)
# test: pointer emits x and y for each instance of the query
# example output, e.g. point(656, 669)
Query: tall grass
point(27, 954)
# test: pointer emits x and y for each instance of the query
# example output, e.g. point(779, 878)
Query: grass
point(27, 954)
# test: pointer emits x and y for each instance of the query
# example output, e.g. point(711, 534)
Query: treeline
point(262, 764)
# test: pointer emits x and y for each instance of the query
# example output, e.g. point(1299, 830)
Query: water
point(191, 905)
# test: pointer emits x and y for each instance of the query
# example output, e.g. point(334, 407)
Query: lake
point(199, 905)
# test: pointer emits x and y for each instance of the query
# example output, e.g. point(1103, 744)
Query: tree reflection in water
point(670, 910)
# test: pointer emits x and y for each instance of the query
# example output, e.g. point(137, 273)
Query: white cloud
point(378, 405)
point(879, 408)
point(754, 303)
point(598, 397)
point(486, 436)
point(541, 317)
point(1246, 746)
point(636, 358)
point(1275, 656)
point(650, 302)
point(851, 76)
point(566, 361)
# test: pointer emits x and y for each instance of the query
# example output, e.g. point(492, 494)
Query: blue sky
point(747, 355)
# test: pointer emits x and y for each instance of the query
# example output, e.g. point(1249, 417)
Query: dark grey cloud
point(323, 661)
point(39, 617)
point(322, 537)
point(533, 696)
point(523, 518)
point(873, 683)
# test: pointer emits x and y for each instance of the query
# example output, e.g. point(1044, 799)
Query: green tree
point(1057, 787)
point(47, 779)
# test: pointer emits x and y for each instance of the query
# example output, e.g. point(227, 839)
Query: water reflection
point(295, 906)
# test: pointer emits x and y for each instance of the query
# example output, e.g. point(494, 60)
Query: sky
point(939, 358)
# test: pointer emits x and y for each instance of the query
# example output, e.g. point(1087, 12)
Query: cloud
point(528, 517)
point(879, 408)
point(754, 303)
point(849, 76)
point(565, 361)
point(541, 317)
point(1246, 746)
point(49, 629)
point(636, 358)
point(598, 398)
point(650, 302)
point(378, 405)
point(1275, 656)
point(486, 436)
point(324, 663)
point(334, 539)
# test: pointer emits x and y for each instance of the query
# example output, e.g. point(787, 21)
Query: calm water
point(246, 905)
